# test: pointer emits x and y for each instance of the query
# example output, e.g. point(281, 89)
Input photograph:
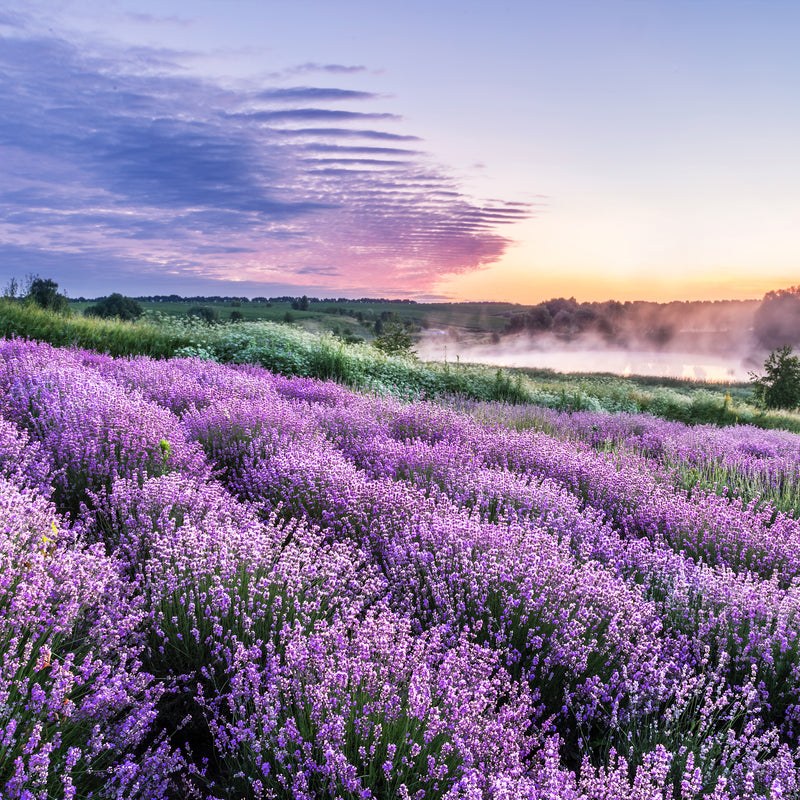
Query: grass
point(106, 336)
point(294, 350)
point(471, 316)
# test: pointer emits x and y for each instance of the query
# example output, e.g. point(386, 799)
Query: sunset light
point(400, 400)
point(596, 150)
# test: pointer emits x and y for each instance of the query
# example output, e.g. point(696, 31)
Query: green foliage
point(44, 293)
point(111, 336)
point(115, 305)
point(294, 351)
point(780, 387)
point(207, 314)
point(395, 337)
point(11, 289)
point(777, 320)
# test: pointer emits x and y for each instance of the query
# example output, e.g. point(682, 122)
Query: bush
point(44, 293)
point(205, 313)
point(115, 305)
point(780, 387)
point(394, 338)
point(112, 336)
point(777, 320)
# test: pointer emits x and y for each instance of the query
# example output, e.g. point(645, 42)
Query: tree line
point(776, 325)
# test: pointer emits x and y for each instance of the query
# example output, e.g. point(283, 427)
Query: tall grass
point(114, 337)
point(293, 351)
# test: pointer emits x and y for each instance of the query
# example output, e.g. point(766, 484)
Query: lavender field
point(219, 582)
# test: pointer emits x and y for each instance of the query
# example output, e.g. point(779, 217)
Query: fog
point(719, 341)
point(591, 356)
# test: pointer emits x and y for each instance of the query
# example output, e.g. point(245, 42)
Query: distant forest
point(695, 325)
point(228, 299)
point(714, 325)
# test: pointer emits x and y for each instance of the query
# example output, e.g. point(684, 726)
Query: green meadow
point(311, 346)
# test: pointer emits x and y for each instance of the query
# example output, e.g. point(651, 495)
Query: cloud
point(310, 270)
point(11, 20)
point(377, 162)
point(311, 67)
point(304, 93)
point(335, 69)
point(115, 165)
point(310, 114)
point(365, 151)
point(348, 133)
point(153, 19)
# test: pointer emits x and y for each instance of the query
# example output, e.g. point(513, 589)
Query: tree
point(115, 305)
point(395, 337)
point(780, 387)
point(538, 319)
point(207, 314)
point(11, 289)
point(777, 320)
point(44, 293)
point(565, 325)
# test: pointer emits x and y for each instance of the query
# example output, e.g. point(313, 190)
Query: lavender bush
point(76, 706)
point(218, 582)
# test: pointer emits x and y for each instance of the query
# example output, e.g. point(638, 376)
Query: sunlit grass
point(291, 350)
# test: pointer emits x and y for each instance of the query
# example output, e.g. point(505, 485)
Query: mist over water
point(590, 356)
point(715, 341)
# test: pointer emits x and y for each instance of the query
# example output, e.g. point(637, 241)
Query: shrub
point(780, 387)
point(77, 708)
point(205, 313)
point(115, 305)
point(94, 430)
point(777, 319)
point(44, 293)
point(395, 338)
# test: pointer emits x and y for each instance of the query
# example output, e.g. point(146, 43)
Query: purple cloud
point(335, 69)
point(348, 133)
point(309, 114)
point(296, 94)
point(113, 166)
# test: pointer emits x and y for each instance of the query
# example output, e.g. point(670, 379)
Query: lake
point(674, 364)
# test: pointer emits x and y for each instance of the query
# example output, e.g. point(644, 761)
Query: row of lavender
point(218, 582)
point(751, 462)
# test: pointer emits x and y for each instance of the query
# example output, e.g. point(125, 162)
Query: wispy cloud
point(154, 19)
point(113, 165)
point(296, 94)
point(348, 133)
point(304, 114)
point(334, 69)
point(10, 19)
point(364, 150)
point(309, 68)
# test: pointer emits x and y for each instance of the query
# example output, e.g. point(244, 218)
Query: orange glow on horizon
point(505, 283)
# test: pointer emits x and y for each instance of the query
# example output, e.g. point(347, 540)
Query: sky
point(512, 150)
